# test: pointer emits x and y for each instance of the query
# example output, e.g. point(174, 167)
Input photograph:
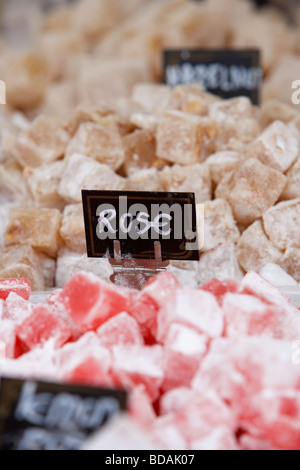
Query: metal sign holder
point(135, 273)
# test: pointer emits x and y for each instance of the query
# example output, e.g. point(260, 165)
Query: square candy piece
point(218, 224)
point(21, 261)
point(251, 190)
point(43, 183)
point(255, 250)
point(292, 189)
point(99, 142)
point(22, 287)
point(220, 263)
point(38, 228)
point(184, 349)
point(145, 180)
point(223, 163)
point(41, 326)
point(290, 262)
point(140, 151)
point(85, 173)
point(90, 302)
point(43, 142)
point(194, 178)
point(281, 224)
point(72, 228)
point(277, 147)
point(181, 137)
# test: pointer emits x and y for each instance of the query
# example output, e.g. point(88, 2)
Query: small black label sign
point(139, 219)
point(227, 73)
point(45, 416)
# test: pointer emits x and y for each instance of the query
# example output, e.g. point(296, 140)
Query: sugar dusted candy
point(91, 302)
point(145, 180)
point(70, 263)
point(120, 330)
point(220, 263)
point(264, 289)
point(123, 433)
point(274, 274)
point(72, 228)
point(197, 310)
point(192, 178)
point(218, 224)
point(36, 227)
point(22, 262)
point(13, 188)
point(8, 340)
point(152, 97)
point(254, 249)
point(182, 138)
point(43, 184)
point(82, 172)
point(292, 189)
point(43, 326)
point(48, 266)
point(103, 143)
point(281, 223)
point(236, 119)
point(43, 142)
point(139, 365)
point(223, 163)
point(20, 286)
point(184, 350)
point(290, 262)
point(140, 151)
point(16, 308)
point(277, 147)
point(248, 316)
point(243, 190)
point(192, 99)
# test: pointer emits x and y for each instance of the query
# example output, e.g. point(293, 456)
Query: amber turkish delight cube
point(36, 227)
point(255, 250)
point(282, 226)
point(43, 142)
point(72, 228)
point(81, 172)
point(219, 225)
point(277, 147)
point(102, 143)
point(184, 138)
point(251, 190)
point(193, 179)
point(43, 183)
point(22, 261)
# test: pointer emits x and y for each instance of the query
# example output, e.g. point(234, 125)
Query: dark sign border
point(171, 250)
point(222, 56)
point(11, 429)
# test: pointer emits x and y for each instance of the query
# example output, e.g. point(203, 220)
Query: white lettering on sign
point(65, 412)
point(215, 76)
point(136, 223)
point(2, 92)
point(296, 94)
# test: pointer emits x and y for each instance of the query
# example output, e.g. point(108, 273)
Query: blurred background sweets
point(57, 54)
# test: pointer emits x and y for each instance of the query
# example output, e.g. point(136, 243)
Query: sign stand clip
point(135, 273)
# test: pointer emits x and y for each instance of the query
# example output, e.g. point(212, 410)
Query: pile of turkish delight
point(214, 368)
point(242, 162)
point(93, 50)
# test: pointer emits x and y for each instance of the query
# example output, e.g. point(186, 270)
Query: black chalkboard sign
point(47, 416)
point(139, 219)
point(227, 73)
